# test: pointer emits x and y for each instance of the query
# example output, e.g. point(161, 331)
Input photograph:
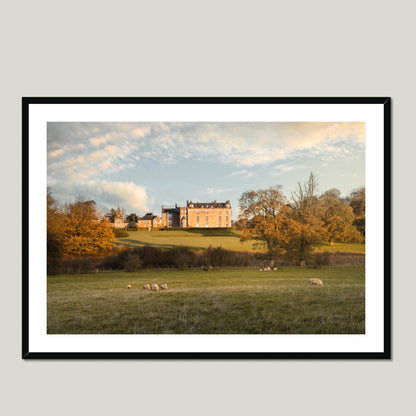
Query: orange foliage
point(84, 234)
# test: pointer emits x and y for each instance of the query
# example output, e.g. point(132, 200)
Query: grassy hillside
point(215, 302)
point(199, 239)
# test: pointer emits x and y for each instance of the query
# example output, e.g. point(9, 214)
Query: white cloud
point(140, 132)
point(109, 194)
point(239, 144)
point(96, 141)
point(130, 195)
point(53, 154)
point(79, 153)
point(239, 172)
point(244, 173)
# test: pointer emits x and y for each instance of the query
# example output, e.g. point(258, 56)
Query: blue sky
point(141, 166)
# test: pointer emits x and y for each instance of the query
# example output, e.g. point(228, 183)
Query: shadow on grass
point(217, 232)
point(138, 243)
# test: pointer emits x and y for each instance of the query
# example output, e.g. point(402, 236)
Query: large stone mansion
point(198, 215)
point(193, 215)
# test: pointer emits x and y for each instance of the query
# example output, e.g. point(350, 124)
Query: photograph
point(240, 226)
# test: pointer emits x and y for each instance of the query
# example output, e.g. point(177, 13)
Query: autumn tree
point(84, 233)
point(265, 217)
point(357, 202)
point(338, 217)
point(307, 213)
point(333, 192)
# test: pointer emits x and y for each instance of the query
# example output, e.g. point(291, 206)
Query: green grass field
point(244, 301)
point(202, 239)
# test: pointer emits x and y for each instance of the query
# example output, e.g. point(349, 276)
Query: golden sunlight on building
point(198, 215)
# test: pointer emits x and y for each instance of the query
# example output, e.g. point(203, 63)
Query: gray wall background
point(216, 48)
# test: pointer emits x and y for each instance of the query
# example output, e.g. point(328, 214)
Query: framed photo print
point(206, 228)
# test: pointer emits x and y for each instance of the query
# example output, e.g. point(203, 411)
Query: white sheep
point(128, 286)
point(155, 287)
point(260, 270)
point(274, 269)
point(146, 287)
point(316, 282)
point(164, 287)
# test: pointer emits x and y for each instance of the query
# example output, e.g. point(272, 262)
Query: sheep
point(260, 270)
point(316, 282)
point(274, 269)
point(146, 287)
point(268, 269)
point(155, 287)
point(164, 287)
point(128, 286)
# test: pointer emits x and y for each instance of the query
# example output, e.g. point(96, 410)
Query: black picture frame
point(384, 101)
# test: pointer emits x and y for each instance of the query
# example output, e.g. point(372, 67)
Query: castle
point(193, 215)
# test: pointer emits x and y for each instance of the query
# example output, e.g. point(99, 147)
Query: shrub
point(110, 263)
point(78, 265)
point(181, 257)
point(220, 257)
point(132, 262)
point(119, 232)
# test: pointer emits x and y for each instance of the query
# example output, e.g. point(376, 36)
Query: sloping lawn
point(201, 239)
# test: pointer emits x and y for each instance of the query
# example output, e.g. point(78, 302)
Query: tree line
point(288, 229)
point(292, 228)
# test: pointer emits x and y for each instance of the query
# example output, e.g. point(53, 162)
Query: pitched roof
point(148, 216)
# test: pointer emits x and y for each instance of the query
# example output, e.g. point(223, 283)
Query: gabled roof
point(148, 216)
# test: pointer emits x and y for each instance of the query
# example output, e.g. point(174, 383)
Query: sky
point(142, 166)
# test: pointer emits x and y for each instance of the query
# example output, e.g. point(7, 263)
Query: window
point(226, 218)
point(197, 218)
point(219, 212)
point(206, 218)
point(219, 218)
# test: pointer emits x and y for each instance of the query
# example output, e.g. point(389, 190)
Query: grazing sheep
point(146, 287)
point(128, 286)
point(274, 269)
point(260, 270)
point(164, 287)
point(316, 282)
point(268, 269)
point(155, 287)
